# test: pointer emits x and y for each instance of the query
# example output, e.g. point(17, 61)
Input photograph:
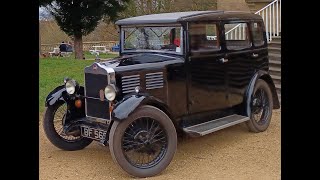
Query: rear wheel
point(144, 144)
point(261, 106)
point(53, 124)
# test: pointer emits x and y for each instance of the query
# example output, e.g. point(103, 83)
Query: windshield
point(166, 39)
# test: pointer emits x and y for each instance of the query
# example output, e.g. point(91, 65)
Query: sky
point(43, 13)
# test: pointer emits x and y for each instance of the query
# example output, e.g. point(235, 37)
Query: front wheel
point(53, 123)
point(144, 144)
point(261, 106)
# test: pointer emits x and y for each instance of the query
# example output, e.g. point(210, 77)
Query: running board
point(214, 125)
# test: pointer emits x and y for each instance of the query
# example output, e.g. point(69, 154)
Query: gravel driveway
point(232, 153)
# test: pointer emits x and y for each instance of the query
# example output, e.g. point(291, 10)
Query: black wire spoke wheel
point(144, 143)
point(58, 123)
point(261, 106)
point(53, 125)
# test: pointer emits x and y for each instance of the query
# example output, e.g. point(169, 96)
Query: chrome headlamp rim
point(70, 86)
point(110, 92)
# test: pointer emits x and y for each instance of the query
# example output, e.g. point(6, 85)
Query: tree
point(142, 7)
point(44, 2)
point(78, 18)
point(41, 4)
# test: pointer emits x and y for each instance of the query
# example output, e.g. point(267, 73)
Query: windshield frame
point(122, 38)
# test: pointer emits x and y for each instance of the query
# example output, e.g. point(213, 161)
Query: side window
point(237, 36)
point(204, 36)
point(257, 33)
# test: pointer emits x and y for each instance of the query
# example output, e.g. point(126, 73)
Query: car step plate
point(214, 125)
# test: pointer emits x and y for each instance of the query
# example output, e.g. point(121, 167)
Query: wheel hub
point(256, 105)
point(256, 102)
point(142, 136)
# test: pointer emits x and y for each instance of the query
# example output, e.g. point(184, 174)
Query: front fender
point(60, 94)
point(130, 103)
point(266, 77)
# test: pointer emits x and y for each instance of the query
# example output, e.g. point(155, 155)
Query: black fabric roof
point(176, 17)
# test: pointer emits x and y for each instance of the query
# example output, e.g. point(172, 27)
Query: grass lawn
point(53, 70)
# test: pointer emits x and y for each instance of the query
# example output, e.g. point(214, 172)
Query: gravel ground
point(232, 153)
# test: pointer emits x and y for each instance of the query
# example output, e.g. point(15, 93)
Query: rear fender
point(267, 78)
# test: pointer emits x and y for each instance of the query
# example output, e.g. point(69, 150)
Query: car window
point(153, 38)
point(203, 37)
point(257, 33)
point(237, 36)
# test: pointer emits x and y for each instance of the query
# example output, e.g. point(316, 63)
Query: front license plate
point(92, 133)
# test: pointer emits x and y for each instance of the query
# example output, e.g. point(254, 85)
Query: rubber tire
point(117, 131)
point(54, 137)
point(252, 124)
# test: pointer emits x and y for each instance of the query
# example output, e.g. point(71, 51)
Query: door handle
point(255, 55)
point(223, 60)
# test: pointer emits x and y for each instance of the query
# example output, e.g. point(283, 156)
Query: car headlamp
point(110, 93)
point(71, 86)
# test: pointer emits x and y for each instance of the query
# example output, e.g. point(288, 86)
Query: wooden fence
point(86, 45)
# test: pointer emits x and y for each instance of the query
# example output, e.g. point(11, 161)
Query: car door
point(240, 55)
point(206, 72)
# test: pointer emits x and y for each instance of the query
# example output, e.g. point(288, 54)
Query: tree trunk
point(78, 47)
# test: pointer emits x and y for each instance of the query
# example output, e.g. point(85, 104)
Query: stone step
point(276, 38)
point(276, 79)
point(274, 50)
point(275, 70)
point(273, 63)
point(274, 56)
point(275, 44)
point(278, 90)
point(275, 73)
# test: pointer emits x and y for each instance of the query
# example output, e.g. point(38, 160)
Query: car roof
point(177, 17)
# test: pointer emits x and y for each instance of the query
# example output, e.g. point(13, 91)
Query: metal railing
point(271, 15)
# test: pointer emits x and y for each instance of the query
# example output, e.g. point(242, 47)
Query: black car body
point(203, 69)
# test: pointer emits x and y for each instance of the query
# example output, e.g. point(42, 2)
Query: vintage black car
point(189, 73)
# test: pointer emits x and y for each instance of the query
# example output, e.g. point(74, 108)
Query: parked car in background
point(215, 76)
point(115, 48)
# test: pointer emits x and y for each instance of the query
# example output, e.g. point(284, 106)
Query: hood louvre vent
point(154, 80)
point(130, 82)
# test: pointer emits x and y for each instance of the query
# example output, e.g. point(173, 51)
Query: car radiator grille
point(94, 107)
